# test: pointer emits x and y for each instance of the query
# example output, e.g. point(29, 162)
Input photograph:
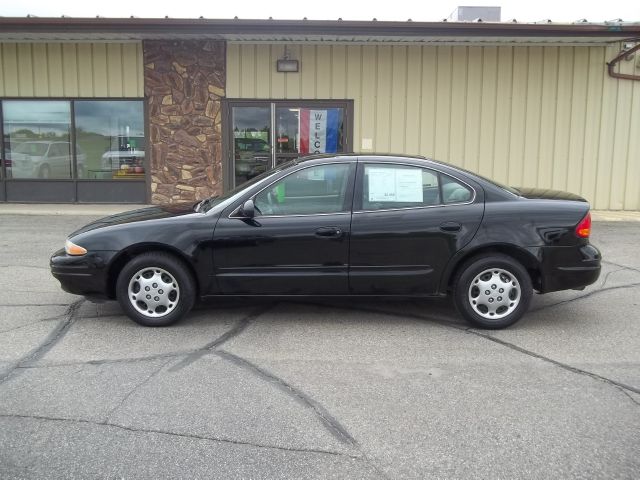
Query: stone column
point(184, 82)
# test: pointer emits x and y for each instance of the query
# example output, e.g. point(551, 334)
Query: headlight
point(73, 249)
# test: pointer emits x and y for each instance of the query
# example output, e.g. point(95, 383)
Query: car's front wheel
point(155, 289)
point(492, 291)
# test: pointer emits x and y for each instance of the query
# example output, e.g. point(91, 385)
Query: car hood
point(542, 193)
point(141, 215)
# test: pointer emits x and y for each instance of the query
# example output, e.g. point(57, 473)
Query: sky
point(424, 10)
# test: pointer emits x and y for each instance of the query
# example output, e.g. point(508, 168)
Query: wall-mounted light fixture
point(287, 64)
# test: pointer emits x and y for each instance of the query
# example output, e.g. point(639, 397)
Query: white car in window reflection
point(43, 159)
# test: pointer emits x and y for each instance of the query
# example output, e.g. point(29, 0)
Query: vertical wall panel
point(71, 70)
point(527, 115)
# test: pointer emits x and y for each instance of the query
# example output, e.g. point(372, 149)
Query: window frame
point(24, 184)
point(359, 187)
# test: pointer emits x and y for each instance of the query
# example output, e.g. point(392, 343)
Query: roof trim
point(222, 28)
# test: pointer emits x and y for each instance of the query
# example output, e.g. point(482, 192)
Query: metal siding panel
point(428, 95)
point(308, 71)
point(100, 70)
point(412, 100)
point(488, 110)
point(608, 126)
point(323, 71)
point(369, 92)
point(518, 124)
point(593, 119)
point(40, 70)
point(338, 72)
point(533, 117)
point(10, 69)
point(85, 74)
point(458, 120)
point(443, 103)
point(1, 85)
point(575, 163)
point(354, 90)
point(233, 70)
point(383, 99)
point(471, 133)
point(292, 79)
point(548, 116)
point(248, 71)
point(621, 139)
point(140, 56)
point(502, 131)
point(114, 70)
point(70, 70)
point(632, 190)
point(263, 71)
point(130, 70)
point(55, 67)
point(25, 70)
point(398, 130)
point(277, 79)
point(563, 118)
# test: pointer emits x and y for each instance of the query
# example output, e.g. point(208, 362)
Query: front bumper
point(566, 268)
point(82, 275)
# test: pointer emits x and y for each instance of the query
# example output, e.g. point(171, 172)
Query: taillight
point(583, 230)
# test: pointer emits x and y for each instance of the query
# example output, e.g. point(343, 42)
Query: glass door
point(265, 134)
point(251, 148)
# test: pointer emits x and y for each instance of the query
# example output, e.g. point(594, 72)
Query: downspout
point(625, 53)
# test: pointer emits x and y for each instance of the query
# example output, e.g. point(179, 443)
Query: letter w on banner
point(318, 130)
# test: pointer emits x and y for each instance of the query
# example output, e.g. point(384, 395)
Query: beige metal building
point(174, 110)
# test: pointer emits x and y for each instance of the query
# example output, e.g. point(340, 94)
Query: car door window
point(453, 191)
point(313, 190)
point(399, 186)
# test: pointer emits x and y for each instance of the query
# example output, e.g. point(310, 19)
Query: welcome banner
point(319, 130)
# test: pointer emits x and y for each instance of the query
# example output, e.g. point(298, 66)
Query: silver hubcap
point(494, 293)
point(154, 292)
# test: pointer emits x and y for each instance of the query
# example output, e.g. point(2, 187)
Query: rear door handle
point(450, 227)
point(330, 232)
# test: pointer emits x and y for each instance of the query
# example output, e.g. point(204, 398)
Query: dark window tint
point(320, 189)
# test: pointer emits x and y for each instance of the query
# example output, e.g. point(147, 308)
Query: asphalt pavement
point(316, 388)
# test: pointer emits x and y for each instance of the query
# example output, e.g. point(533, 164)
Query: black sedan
point(341, 225)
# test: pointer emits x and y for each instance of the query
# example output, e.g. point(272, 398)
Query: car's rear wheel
point(492, 291)
point(155, 289)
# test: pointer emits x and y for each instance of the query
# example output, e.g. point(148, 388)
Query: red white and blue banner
point(319, 130)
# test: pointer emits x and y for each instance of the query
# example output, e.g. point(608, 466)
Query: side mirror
point(249, 209)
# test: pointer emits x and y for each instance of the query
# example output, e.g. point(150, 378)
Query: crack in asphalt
point(620, 265)
point(586, 295)
point(504, 343)
point(135, 389)
point(236, 330)
point(330, 422)
point(182, 435)
point(59, 331)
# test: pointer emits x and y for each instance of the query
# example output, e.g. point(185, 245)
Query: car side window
point(399, 186)
point(453, 191)
point(313, 190)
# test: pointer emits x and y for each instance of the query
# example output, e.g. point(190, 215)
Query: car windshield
point(32, 149)
point(209, 203)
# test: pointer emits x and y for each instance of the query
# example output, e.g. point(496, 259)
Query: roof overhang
point(317, 31)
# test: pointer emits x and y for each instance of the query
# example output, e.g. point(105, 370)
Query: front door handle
point(329, 232)
point(450, 227)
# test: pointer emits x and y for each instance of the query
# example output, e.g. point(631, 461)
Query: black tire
point(476, 311)
point(155, 263)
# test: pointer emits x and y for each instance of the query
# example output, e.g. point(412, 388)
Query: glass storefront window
point(309, 130)
point(37, 139)
point(251, 142)
point(109, 139)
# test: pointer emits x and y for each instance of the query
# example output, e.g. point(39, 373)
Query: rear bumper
point(565, 268)
point(82, 275)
